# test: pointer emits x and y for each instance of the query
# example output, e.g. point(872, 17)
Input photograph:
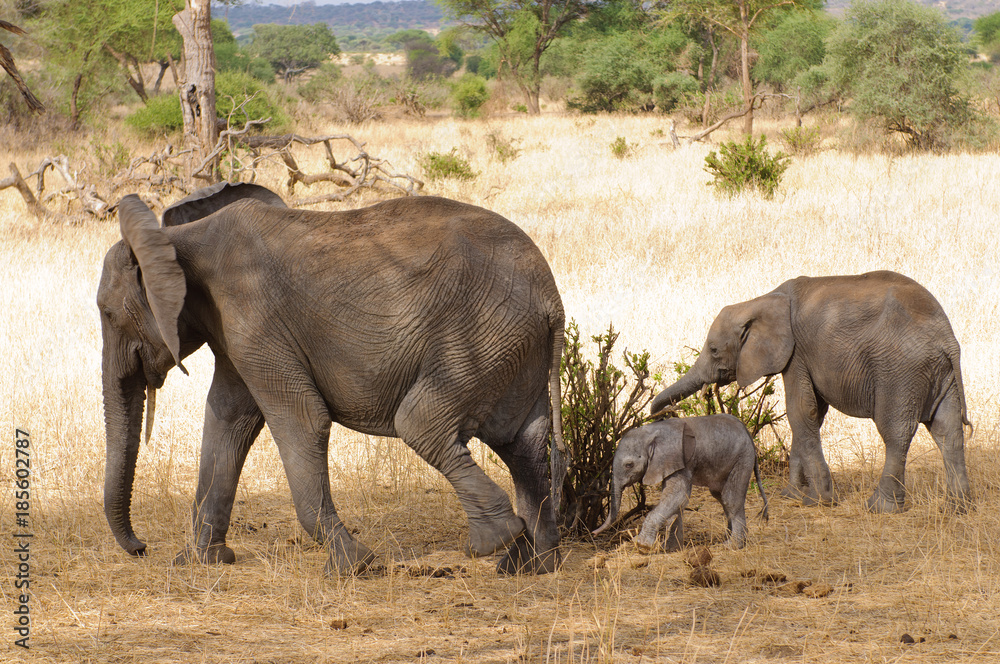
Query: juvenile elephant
point(714, 451)
point(421, 318)
point(874, 345)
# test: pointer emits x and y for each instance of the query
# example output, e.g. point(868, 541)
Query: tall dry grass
point(642, 243)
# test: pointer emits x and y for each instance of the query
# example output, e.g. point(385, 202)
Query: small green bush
point(600, 402)
point(441, 165)
point(801, 140)
point(670, 90)
point(163, 114)
point(755, 406)
point(746, 165)
point(470, 94)
point(504, 148)
point(622, 149)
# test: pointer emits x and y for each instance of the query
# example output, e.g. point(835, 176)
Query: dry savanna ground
point(641, 242)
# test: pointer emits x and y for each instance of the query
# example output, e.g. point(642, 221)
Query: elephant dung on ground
point(714, 451)
point(875, 345)
point(420, 318)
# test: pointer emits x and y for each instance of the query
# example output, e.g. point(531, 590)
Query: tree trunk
point(745, 74)
point(164, 66)
point(74, 106)
point(197, 89)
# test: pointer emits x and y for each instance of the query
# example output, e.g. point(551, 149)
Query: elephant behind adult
point(876, 345)
point(421, 318)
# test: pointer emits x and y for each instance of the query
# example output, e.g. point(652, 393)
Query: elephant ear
point(765, 328)
point(162, 275)
point(210, 199)
point(666, 451)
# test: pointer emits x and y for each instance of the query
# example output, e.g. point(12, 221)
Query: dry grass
point(641, 242)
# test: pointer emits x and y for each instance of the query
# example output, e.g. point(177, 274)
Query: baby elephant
point(713, 451)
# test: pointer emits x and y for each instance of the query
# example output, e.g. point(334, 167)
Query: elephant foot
point(880, 504)
point(487, 537)
point(647, 545)
point(349, 557)
point(214, 554)
point(960, 505)
point(809, 496)
point(522, 558)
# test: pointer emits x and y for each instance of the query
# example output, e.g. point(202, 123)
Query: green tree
point(292, 49)
point(425, 57)
point(900, 62)
point(796, 43)
point(742, 19)
point(522, 31)
point(987, 35)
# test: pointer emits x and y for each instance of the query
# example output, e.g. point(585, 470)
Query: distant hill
point(365, 18)
point(953, 9)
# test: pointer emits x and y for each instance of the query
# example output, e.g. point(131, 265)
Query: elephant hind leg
point(897, 433)
point(537, 550)
point(946, 427)
point(300, 424)
point(430, 422)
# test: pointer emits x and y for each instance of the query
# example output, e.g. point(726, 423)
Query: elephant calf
point(714, 451)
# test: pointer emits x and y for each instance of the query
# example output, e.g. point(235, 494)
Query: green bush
point(755, 406)
point(441, 165)
point(670, 90)
point(504, 148)
point(746, 165)
point(470, 94)
point(163, 114)
point(622, 149)
point(801, 140)
point(600, 402)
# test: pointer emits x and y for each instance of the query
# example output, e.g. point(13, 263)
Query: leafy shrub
point(441, 165)
point(622, 149)
point(111, 158)
point(755, 406)
point(801, 140)
point(232, 88)
point(503, 148)
point(600, 402)
point(746, 165)
point(519, 108)
point(669, 90)
point(319, 86)
point(470, 94)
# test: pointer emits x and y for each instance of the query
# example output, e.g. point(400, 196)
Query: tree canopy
point(900, 62)
point(291, 49)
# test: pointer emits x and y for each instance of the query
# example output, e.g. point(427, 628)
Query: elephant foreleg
point(946, 429)
point(673, 498)
point(809, 474)
point(232, 423)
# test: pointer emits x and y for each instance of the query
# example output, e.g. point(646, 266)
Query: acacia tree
point(901, 63)
point(522, 31)
point(741, 18)
point(292, 49)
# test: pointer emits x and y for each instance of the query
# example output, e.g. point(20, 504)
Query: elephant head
point(649, 453)
point(141, 297)
point(745, 342)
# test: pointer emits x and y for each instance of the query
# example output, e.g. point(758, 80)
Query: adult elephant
point(421, 318)
point(876, 345)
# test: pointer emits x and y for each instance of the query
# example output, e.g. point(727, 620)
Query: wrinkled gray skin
point(875, 345)
point(714, 451)
point(420, 318)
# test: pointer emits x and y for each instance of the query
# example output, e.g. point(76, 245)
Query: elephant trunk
point(123, 404)
point(685, 386)
point(618, 488)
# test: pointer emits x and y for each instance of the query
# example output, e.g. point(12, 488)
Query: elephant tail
point(760, 486)
point(557, 454)
point(954, 354)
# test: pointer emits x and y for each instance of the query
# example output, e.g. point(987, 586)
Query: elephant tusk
point(150, 410)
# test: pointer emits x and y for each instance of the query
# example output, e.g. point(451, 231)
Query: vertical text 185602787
point(22, 536)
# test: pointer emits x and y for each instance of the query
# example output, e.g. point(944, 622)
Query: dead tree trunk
point(197, 90)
